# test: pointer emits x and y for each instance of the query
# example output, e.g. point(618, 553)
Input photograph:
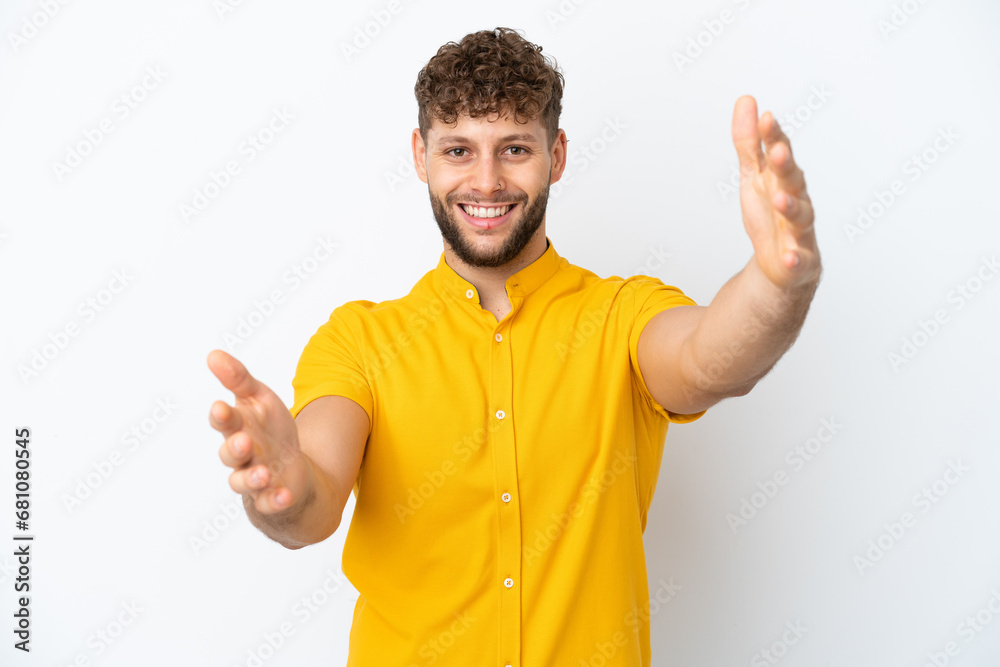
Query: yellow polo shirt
point(509, 467)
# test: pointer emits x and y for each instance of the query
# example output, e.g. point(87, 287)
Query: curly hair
point(490, 72)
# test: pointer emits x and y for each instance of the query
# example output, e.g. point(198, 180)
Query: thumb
point(232, 374)
point(746, 136)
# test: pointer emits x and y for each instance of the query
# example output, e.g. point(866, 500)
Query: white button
point(499, 337)
point(499, 414)
point(505, 497)
point(469, 293)
point(508, 582)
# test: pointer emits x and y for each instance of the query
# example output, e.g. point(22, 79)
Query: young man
point(502, 424)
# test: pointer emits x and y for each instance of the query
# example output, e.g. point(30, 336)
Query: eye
point(452, 152)
point(519, 150)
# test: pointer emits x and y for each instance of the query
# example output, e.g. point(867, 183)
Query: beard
point(522, 229)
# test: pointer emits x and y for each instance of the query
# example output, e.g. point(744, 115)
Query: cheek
point(442, 182)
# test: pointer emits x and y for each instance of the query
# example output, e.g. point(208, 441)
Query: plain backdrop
point(119, 223)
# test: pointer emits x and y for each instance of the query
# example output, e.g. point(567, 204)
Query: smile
point(486, 212)
point(486, 217)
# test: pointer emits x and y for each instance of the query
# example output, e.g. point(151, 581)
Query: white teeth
point(480, 212)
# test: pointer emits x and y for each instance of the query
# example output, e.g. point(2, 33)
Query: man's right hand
point(261, 439)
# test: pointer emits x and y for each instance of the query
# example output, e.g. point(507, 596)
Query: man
point(502, 425)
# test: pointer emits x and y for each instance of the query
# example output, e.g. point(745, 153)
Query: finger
point(779, 156)
point(797, 210)
point(249, 480)
point(746, 136)
point(770, 131)
point(232, 374)
point(223, 418)
point(273, 500)
point(800, 259)
point(237, 450)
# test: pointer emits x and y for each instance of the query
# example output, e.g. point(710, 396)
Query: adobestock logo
point(41, 357)
point(924, 500)
point(367, 32)
point(248, 150)
point(926, 330)
point(698, 43)
point(33, 24)
point(915, 167)
point(120, 110)
point(790, 122)
point(779, 648)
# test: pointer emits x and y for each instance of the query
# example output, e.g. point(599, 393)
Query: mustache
point(468, 199)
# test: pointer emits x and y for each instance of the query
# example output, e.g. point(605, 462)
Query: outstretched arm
point(692, 357)
point(295, 475)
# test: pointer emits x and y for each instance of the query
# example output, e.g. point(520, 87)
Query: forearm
point(745, 330)
point(313, 518)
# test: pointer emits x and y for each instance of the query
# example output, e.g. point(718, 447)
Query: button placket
point(505, 470)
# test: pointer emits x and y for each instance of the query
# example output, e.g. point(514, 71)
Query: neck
point(491, 282)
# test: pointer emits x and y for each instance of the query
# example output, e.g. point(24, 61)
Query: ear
point(558, 155)
point(419, 155)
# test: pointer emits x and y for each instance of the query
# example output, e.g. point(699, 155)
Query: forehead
point(486, 130)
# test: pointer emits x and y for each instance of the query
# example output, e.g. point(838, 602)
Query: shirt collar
point(521, 283)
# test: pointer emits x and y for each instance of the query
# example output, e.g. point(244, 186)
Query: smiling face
point(488, 181)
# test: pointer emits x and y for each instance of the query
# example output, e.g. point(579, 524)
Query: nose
point(487, 177)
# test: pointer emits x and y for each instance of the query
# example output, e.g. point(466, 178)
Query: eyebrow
point(456, 139)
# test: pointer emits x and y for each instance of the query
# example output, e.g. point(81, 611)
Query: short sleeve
point(651, 297)
point(332, 364)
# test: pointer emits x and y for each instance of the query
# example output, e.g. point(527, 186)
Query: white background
point(338, 171)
